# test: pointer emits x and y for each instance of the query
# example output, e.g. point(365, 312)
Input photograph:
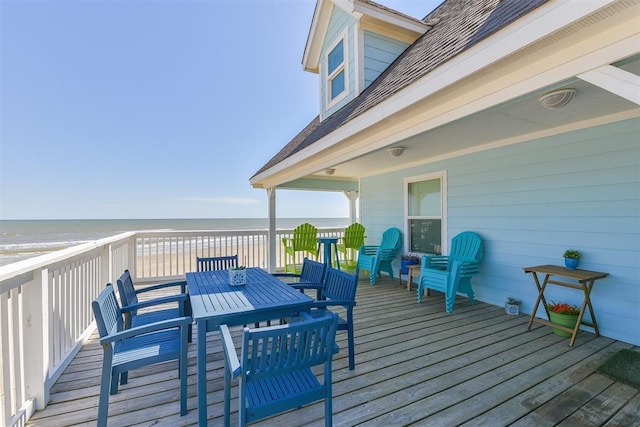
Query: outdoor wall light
point(329, 171)
point(395, 151)
point(557, 98)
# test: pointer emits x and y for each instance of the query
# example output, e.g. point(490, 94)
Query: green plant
point(563, 308)
point(240, 267)
point(513, 301)
point(572, 253)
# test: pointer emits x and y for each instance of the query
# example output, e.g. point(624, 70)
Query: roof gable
point(357, 9)
point(457, 25)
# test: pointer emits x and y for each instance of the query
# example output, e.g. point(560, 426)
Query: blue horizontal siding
point(530, 202)
point(379, 52)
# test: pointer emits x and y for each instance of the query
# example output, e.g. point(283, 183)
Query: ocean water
point(22, 239)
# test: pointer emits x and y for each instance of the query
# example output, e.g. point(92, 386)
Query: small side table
point(329, 241)
point(585, 279)
point(413, 271)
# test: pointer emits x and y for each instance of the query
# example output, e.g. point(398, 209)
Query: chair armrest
point(386, 253)
point(307, 285)
point(179, 298)
point(435, 261)
point(335, 302)
point(178, 322)
point(230, 352)
point(302, 286)
point(291, 276)
point(369, 250)
point(181, 283)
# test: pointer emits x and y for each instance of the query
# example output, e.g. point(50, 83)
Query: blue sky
point(154, 109)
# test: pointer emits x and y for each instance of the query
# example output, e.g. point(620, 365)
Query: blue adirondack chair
point(337, 290)
point(130, 303)
point(217, 263)
point(275, 368)
point(126, 349)
point(452, 274)
point(377, 259)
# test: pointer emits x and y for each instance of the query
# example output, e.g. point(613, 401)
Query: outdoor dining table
point(215, 302)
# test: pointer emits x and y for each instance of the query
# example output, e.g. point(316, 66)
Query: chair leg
point(227, 394)
point(105, 386)
point(350, 343)
point(184, 338)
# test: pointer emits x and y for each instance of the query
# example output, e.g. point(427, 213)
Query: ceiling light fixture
point(329, 171)
point(557, 98)
point(396, 151)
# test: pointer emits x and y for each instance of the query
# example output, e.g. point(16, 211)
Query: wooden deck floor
point(415, 365)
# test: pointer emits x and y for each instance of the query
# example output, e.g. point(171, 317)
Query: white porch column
point(352, 196)
point(271, 234)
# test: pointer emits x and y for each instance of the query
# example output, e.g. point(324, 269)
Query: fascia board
point(317, 32)
point(391, 18)
point(538, 24)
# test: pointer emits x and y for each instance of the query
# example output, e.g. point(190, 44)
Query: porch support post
point(271, 233)
point(352, 196)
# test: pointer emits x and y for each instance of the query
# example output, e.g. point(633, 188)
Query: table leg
point(540, 298)
point(202, 373)
point(335, 251)
point(587, 287)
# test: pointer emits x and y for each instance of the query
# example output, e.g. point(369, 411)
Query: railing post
point(132, 256)
point(35, 312)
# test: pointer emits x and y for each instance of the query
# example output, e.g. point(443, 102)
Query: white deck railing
point(45, 302)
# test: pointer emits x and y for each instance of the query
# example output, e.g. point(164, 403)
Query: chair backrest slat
point(312, 271)
point(305, 237)
point(354, 236)
point(217, 263)
point(466, 245)
point(273, 351)
point(391, 240)
point(107, 312)
point(339, 285)
point(126, 290)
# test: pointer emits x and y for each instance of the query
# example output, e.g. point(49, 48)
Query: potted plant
point(237, 276)
point(512, 306)
point(563, 314)
point(571, 258)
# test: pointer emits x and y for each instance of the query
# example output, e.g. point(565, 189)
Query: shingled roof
point(457, 25)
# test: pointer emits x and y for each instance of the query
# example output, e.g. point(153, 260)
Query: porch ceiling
point(515, 121)
point(471, 104)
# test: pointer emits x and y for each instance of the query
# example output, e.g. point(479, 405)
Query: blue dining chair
point(377, 259)
point(275, 368)
point(127, 349)
point(130, 304)
point(338, 290)
point(452, 274)
point(216, 263)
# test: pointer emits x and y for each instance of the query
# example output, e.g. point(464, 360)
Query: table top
point(328, 239)
point(557, 270)
point(214, 299)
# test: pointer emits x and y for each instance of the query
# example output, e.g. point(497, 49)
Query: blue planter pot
point(404, 264)
point(571, 263)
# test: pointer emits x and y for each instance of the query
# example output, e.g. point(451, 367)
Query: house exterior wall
point(379, 52)
point(338, 22)
point(531, 201)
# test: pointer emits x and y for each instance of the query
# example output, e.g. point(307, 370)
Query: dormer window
point(336, 71)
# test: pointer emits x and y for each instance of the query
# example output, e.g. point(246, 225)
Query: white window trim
point(442, 175)
point(327, 78)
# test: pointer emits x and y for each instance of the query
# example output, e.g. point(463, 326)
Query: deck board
point(415, 364)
